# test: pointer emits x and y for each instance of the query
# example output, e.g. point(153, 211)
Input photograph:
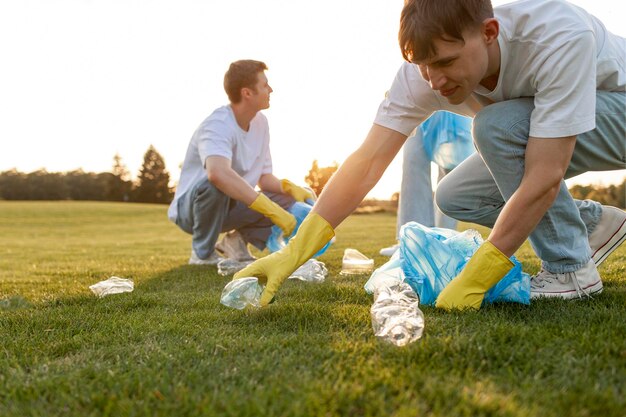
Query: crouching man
point(228, 156)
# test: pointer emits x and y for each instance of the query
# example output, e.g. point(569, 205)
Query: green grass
point(170, 347)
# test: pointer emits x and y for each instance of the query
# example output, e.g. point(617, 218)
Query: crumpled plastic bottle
point(311, 271)
point(354, 262)
point(396, 317)
point(242, 292)
point(113, 285)
point(231, 266)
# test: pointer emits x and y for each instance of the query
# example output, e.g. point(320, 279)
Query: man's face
point(261, 92)
point(457, 68)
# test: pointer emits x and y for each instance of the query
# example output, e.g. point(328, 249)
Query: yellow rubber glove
point(279, 216)
point(485, 268)
point(297, 192)
point(274, 269)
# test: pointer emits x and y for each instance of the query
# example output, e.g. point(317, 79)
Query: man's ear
point(245, 92)
point(490, 30)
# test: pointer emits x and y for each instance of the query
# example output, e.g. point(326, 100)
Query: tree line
point(612, 195)
point(151, 186)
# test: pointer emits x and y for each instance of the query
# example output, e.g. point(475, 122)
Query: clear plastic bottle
point(311, 271)
point(396, 317)
point(241, 293)
point(354, 262)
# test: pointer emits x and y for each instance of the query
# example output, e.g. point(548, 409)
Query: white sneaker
point(583, 282)
point(608, 234)
point(213, 259)
point(390, 250)
point(233, 246)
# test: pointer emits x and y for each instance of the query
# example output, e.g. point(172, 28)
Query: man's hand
point(274, 269)
point(484, 270)
point(271, 271)
point(279, 216)
point(298, 193)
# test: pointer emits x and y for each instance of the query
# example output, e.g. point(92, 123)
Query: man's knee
point(501, 122)
point(208, 200)
point(445, 197)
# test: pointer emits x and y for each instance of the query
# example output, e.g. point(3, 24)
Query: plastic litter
point(277, 240)
point(311, 271)
point(396, 317)
point(432, 257)
point(113, 285)
point(14, 302)
point(242, 292)
point(231, 266)
point(354, 262)
point(388, 274)
point(447, 138)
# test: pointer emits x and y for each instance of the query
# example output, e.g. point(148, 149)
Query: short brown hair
point(241, 74)
point(423, 21)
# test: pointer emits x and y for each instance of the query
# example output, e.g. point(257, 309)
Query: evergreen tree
point(153, 180)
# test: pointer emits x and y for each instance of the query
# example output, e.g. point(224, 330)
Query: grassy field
point(170, 347)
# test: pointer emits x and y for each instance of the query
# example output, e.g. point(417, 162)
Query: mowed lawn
point(170, 347)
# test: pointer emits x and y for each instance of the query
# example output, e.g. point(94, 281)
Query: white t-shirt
point(220, 135)
point(550, 50)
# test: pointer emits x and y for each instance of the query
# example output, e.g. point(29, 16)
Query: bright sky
point(84, 79)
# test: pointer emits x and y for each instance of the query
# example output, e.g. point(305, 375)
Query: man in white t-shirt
point(228, 156)
point(552, 81)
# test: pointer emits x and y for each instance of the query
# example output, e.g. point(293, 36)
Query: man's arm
point(546, 161)
point(221, 175)
point(358, 174)
point(230, 183)
point(268, 182)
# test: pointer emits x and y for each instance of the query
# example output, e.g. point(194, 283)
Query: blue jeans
point(205, 212)
point(416, 192)
point(476, 190)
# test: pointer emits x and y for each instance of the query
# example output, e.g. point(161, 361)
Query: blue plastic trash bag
point(447, 138)
point(432, 257)
point(277, 241)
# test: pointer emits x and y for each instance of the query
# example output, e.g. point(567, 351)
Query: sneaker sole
point(595, 288)
point(607, 248)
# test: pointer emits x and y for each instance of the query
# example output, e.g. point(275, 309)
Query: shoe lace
point(544, 276)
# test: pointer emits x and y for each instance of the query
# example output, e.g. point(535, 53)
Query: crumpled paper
point(113, 285)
